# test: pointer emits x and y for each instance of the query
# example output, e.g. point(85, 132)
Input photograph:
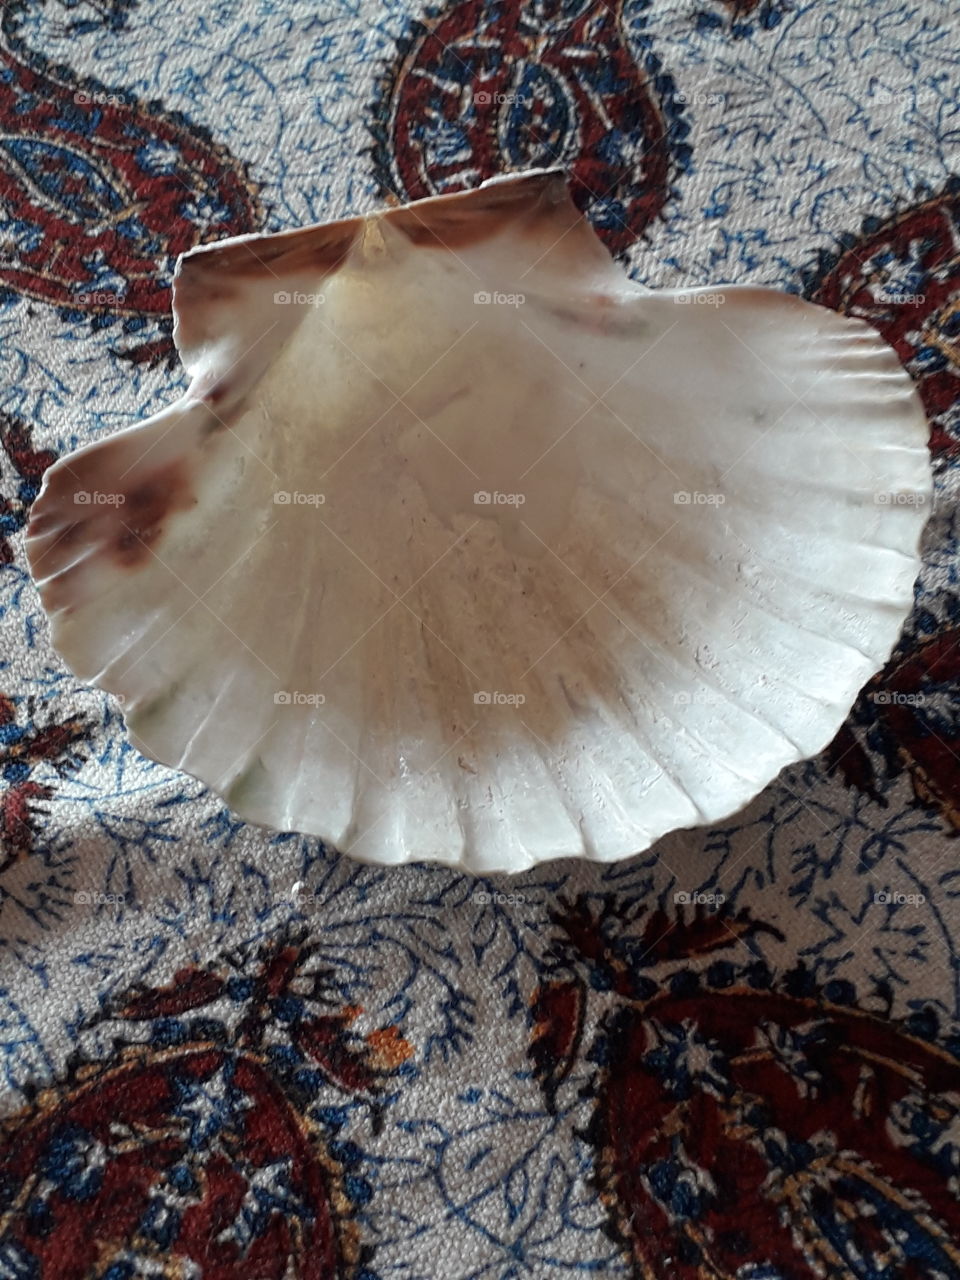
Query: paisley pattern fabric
point(229, 1053)
point(99, 190)
point(543, 85)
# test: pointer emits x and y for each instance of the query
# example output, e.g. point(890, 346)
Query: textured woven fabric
point(229, 1053)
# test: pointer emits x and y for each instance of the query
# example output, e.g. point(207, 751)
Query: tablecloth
point(231, 1053)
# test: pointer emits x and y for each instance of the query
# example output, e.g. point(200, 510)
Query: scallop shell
point(462, 546)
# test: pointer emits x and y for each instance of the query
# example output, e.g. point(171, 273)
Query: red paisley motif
point(195, 1144)
point(760, 1207)
point(481, 90)
point(136, 1099)
point(101, 192)
point(745, 1124)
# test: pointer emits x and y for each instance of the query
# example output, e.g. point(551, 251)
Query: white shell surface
point(463, 547)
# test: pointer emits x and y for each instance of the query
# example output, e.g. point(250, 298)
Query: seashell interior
point(463, 546)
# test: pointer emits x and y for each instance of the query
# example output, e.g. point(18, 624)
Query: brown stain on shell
point(122, 533)
point(452, 221)
point(148, 505)
point(312, 248)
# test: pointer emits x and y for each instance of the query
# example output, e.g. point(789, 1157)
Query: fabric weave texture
point(230, 1053)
